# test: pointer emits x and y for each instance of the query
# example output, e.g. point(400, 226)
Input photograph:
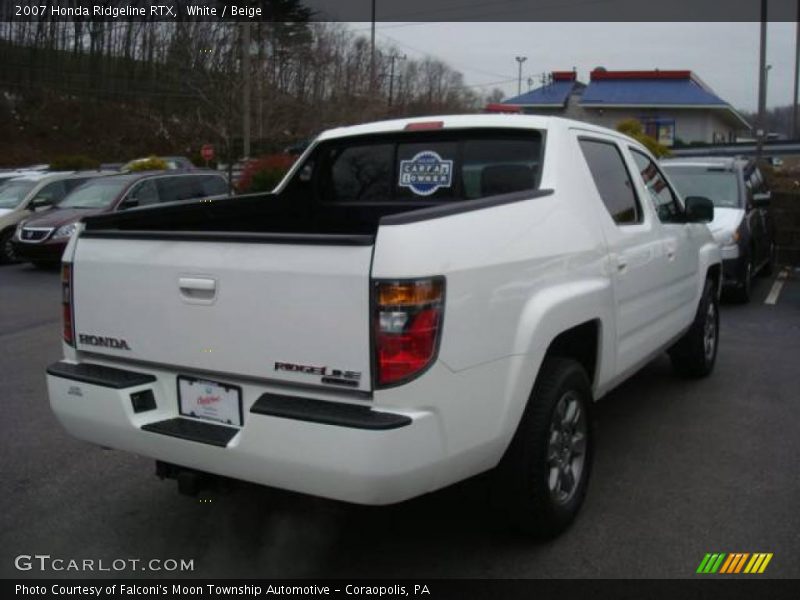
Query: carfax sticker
point(426, 173)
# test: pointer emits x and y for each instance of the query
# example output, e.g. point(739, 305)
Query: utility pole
point(246, 89)
point(796, 73)
point(393, 58)
point(520, 60)
point(372, 50)
point(762, 84)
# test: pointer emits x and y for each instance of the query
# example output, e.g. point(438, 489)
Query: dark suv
point(742, 225)
point(42, 238)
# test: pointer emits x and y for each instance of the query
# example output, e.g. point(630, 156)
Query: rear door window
point(429, 168)
point(180, 187)
point(612, 180)
point(213, 185)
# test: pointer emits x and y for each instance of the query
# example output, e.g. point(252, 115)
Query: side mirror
point(40, 202)
point(762, 199)
point(699, 209)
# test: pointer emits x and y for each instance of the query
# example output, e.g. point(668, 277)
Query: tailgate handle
point(197, 288)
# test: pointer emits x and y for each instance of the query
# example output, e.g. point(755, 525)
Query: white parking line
point(772, 297)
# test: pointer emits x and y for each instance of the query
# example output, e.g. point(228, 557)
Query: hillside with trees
point(115, 90)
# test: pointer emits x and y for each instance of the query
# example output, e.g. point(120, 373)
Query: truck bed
point(262, 213)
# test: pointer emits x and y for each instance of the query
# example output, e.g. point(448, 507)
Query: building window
point(661, 130)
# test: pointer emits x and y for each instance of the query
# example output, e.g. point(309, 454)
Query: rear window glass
point(419, 168)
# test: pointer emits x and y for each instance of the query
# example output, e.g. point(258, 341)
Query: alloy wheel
point(566, 449)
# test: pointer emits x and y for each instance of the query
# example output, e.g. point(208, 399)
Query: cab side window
point(71, 184)
point(612, 180)
point(144, 194)
point(53, 192)
point(664, 199)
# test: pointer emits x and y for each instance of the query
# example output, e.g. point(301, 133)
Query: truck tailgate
point(278, 311)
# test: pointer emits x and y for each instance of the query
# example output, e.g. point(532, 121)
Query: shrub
point(634, 129)
point(263, 174)
point(73, 162)
point(151, 163)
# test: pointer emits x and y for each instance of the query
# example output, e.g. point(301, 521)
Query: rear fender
point(549, 313)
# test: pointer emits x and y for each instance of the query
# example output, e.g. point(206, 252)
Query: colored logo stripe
point(734, 562)
point(711, 563)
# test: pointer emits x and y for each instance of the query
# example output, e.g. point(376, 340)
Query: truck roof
point(464, 122)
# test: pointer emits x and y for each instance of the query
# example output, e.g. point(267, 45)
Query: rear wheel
point(769, 266)
point(542, 479)
point(744, 289)
point(7, 254)
point(696, 352)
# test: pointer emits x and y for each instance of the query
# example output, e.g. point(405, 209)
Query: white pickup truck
point(419, 301)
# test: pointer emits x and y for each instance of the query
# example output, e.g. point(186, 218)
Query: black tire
point(523, 481)
point(742, 292)
point(6, 250)
point(44, 265)
point(769, 267)
point(696, 352)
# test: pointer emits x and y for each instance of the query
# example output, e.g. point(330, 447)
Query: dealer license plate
point(210, 400)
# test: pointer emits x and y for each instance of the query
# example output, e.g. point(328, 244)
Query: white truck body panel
point(517, 276)
point(264, 303)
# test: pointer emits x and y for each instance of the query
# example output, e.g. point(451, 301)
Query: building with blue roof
point(675, 107)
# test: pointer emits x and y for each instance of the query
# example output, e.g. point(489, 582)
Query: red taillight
point(66, 303)
point(408, 319)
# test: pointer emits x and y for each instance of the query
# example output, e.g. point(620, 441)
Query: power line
point(425, 52)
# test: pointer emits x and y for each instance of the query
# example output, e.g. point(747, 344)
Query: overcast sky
point(724, 55)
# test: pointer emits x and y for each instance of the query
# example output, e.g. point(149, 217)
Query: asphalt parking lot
point(682, 468)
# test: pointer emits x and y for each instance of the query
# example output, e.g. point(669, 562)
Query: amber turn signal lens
point(412, 293)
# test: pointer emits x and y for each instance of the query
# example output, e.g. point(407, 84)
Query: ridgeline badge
point(426, 173)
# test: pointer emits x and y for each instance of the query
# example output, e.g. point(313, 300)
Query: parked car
point(29, 193)
point(742, 224)
point(8, 174)
point(418, 302)
point(41, 239)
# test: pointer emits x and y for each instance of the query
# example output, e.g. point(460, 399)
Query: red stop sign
point(207, 152)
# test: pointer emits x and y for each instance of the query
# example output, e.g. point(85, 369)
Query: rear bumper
point(50, 252)
point(279, 444)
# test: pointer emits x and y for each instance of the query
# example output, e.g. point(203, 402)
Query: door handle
point(197, 283)
point(197, 289)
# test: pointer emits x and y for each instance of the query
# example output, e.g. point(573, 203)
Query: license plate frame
point(228, 412)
